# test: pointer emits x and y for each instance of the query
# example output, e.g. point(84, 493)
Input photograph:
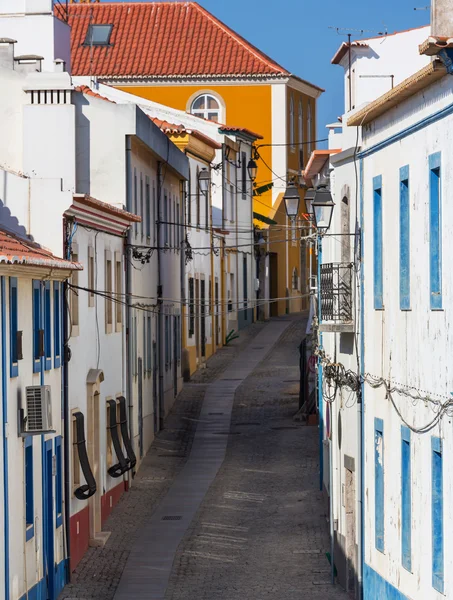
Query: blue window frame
point(47, 326)
point(13, 327)
point(437, 515)
point(58, 483)
point(57, 341)
point(29, 489)
point(435, 232)
point(379, 483)
point(37, 326)
point(406, 499)
point(405, 273)
point(378, 274)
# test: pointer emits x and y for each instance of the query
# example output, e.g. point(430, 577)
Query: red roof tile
point(162, 39)
point(172, 129)
point(227, 129)
point(16, 250)
point(84, 89)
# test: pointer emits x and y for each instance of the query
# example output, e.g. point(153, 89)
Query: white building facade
point(388, 404)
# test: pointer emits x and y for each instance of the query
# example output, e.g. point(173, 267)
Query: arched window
point(291, 121)
point(301, 135)
point(295, 279)
point(309, 128)
point(206, 107)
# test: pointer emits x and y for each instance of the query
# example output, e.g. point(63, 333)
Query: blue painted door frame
point(48, 521)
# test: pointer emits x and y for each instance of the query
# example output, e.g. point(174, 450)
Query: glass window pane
point(99, 35)
point(213, 116)
point(212, 102)
point(199, 103)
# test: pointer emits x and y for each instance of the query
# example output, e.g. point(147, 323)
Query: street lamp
point(252, 169)
point(322, 207)
point(204, 179)
point(309, 197)
point(292, 200)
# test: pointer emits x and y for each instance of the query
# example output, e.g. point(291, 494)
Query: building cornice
point(434, 71)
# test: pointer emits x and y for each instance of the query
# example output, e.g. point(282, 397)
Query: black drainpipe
point(160, 340)
point(128, 291)
point(66, 415)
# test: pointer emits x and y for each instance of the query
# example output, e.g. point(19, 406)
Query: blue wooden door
point(48, 523)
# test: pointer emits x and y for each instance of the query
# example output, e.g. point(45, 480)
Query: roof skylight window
point(98, 35)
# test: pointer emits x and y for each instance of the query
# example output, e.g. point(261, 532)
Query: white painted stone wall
point(410, 347)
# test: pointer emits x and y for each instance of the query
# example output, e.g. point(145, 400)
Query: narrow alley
point(226, 504)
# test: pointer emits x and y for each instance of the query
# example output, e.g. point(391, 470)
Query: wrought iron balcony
point(336, 297)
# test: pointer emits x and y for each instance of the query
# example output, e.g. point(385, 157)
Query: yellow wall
point(247, 106)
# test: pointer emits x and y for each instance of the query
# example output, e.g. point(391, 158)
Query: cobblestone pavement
point(98, 574)
point(261, 531)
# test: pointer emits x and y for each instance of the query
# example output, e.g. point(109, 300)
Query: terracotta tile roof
point(318, 159)
point(84, 89)
point(248, 132)
point(172, 129)
point(343, 49)
point(88, 200)
point(16, 250)
point(162, 39)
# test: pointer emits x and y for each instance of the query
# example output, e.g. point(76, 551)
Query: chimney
point(7, 53)
point(60, 65)
point(441, 18)
point(28, 63)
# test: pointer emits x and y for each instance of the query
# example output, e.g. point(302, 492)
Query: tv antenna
point(349, 32)
point(422, 8)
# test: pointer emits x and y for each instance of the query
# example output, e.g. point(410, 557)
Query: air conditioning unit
point(38, 409)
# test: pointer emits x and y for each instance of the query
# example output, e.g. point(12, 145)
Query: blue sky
point(296, 34)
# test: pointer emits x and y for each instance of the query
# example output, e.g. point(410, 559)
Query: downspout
point(320, 397)
point(212, 303)
point(223, 262)
point(160, 341)
point(66, 418)
point(360, 408)
point(237, 240)
point(5, 439)
point(128, 297)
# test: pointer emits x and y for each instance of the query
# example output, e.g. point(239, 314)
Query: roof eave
point(431, 73)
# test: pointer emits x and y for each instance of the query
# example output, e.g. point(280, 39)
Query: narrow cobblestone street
point(259, 531)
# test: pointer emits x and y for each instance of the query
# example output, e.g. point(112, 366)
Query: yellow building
point(180, 55)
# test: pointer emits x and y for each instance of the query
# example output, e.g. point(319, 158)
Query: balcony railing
point(336, 292)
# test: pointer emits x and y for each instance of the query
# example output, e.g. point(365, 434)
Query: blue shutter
point(379, 483)
point(29, 491)
point(377, 244)
point(437, 516)
point(58, 483)
point(435, 232)
point(37, 318)
point(405, 276)
point(406, 498)
point(57, 341)
point(47, 326)
point(13, 327)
